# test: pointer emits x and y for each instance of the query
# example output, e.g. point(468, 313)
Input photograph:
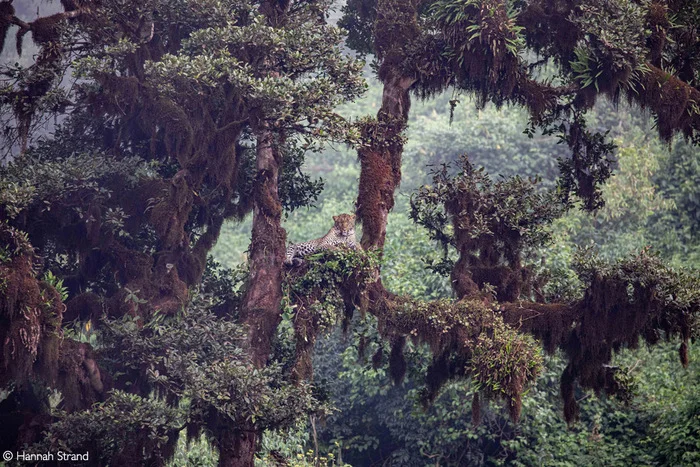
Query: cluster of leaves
point(297, 458)
point(589, 166)
point(195, 453)
point(329, 268)
point(321, 287)
point(612, 45)
point(221, 288)
point(291, 68)
point(358, 20)
point(507, 216)
point(15, 243)
point(591, 161)
point(126, 428)
point(30, 183)
point(674, 428)
point(200, 358)
point(296, 189)
point(468, 24)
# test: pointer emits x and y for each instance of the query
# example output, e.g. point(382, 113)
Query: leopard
point(342, 233)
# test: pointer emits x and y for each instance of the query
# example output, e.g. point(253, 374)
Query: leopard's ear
point(335, 218)
point(352, 216)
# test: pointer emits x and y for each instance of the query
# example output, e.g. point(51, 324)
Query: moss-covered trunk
point(380, 158)
point(261, 309)
point(261, 304)
point(395, 28)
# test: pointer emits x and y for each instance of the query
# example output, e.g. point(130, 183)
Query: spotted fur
point(342, 233)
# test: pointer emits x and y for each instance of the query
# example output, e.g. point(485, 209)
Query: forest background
point(653, 199)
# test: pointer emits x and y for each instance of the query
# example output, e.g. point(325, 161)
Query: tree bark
point(237, 448)
point(261, 304)
point(396, 27)
point(261, 309)
point(380, 159)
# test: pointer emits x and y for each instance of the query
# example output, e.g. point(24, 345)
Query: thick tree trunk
point(380, 159)
point(261, 304)
point(261, 309)
point(461, 278)
point(237, 448)
point(396, 26)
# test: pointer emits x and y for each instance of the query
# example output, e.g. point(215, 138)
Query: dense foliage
point(133, 130)
point(377, 421)
point(166, 115)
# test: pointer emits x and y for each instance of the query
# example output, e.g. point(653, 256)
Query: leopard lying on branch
point(342, 233)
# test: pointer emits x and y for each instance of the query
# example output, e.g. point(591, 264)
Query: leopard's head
point(345, 224)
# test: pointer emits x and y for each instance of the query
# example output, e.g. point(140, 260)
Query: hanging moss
point(47, 29)
point(170, 215)
point(31, 312)
point(79, 377)
point(178, 133)
point(476, 409)
point(550, 29)
point(549, 322)
point(322, 292)
point(437, 375)
point(397, 361)
point(7, 12)
point(683, 353)
point(566, 388)
point(632, 299)
point(22, 306)
point(378, 357)
point(672, 100)
point(468, 339)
